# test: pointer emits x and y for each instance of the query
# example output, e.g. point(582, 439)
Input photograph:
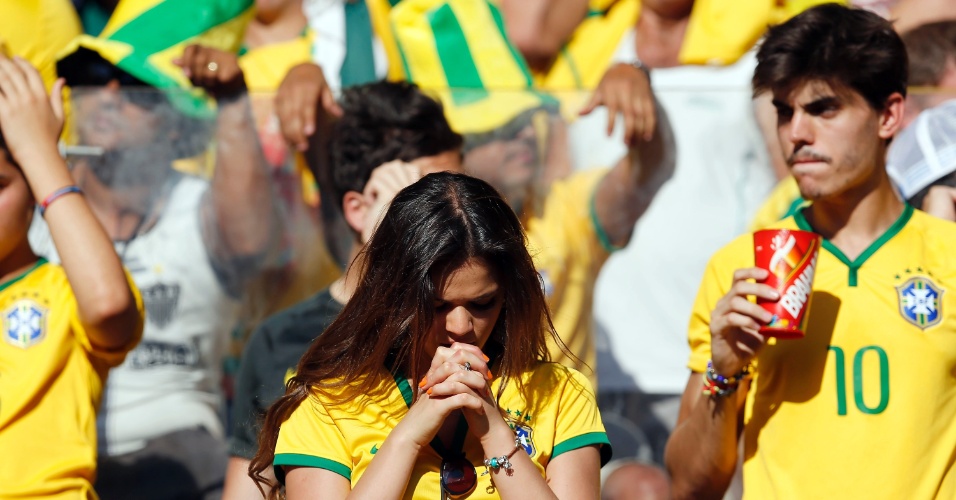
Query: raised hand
point(29, 117)
point(297, 102)
point(216, 71)
point(735, 321)
point(626, 89)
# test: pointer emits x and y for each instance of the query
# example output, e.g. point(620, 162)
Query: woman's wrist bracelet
point(502, 462)
point(55, 195)
point(717, 385)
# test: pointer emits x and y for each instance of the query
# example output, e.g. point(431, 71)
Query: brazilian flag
point(143, 37)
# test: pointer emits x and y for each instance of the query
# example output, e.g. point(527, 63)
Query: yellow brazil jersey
point(569, 247)
point(51, 380)
point(781, 203)
point(865, 405)
point(556, 415)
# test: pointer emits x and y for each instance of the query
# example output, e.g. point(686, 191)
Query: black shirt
point(273, 350)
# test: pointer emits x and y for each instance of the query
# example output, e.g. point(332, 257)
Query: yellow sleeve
point(717, 279)
point(310, 438)
point(578, 422)
point(110, 357)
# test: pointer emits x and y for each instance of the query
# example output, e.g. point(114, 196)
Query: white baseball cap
point(925, 151)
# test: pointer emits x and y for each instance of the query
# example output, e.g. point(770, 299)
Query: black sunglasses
point(458, 477)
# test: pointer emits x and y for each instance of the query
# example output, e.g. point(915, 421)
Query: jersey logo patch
point(24, 323)
point(523, 433)
point(161, 301)
point(920, 302)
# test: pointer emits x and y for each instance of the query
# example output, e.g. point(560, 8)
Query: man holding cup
point(860, 400)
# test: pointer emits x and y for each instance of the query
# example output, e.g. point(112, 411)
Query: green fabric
point(461, 72)
point(300, 460)
point(598, 438)
point(854, 266)
point(93, 18)
point(359, 64)
point(40, 262)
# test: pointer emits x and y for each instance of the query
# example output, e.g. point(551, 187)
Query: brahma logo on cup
point(791, 257)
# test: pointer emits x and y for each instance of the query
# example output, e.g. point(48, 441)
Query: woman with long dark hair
point(434, 380)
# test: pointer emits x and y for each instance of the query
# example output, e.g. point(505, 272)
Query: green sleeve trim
point(599, 438)
point(300, 460)
point(602, 236)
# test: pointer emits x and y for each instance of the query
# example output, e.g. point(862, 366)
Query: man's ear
point(891, 118)
point(354, 209)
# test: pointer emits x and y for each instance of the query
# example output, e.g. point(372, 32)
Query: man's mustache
point(804, 154)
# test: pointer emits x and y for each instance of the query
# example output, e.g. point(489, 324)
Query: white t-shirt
point(645, 291)
point(171, 380)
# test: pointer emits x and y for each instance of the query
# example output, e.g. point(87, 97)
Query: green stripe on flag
point(173, 21)
point(518, 58)
point(455, 55)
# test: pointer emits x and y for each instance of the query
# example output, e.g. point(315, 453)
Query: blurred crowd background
point(513, 77)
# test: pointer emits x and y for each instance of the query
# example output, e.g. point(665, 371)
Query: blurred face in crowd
point(468, 301)
point(131, 125)
point(16, 206)
point(448, 161)
point(507, 163)
point(834, 141)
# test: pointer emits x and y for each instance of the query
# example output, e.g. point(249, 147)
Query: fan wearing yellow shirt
point(63, 327)
point(863, 406)
point(437, 365)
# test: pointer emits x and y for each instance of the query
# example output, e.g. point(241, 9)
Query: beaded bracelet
point(502, 462)
point(717, 385)
point(56, 195)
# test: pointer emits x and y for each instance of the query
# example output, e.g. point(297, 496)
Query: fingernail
point(490, 376)
point(486, 357)
point(423, 382)
point(429, 391)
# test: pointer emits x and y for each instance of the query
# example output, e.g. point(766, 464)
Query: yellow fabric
point(148, 51)
point(814, 426)
point(568, 255)
point(719, 32)
point(778, 203)
point(51, 388)
point(37, 30)
point(413, 47)
point(559, 409)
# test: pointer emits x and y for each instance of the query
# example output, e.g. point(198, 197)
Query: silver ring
point(212, 66)
point(467, 366)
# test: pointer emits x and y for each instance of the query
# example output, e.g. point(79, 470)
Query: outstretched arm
point(628, 189)
point(31, 123)
point(241, 210)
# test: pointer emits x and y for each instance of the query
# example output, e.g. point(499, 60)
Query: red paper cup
point(791, 257)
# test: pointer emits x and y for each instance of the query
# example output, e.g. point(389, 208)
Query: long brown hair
point(431, 226)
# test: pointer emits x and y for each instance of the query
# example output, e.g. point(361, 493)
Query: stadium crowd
point(474, 248)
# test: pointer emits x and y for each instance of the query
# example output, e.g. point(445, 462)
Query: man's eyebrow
point(777, 103)
point(822, 103)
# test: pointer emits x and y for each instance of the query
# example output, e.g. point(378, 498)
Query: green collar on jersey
point(40, 262)
point(854, 265)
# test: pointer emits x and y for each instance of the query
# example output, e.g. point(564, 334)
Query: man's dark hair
point(382, 122)
point(847, 48)
point(929, 48)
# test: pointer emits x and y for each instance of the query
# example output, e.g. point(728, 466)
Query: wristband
point(502, 462)
point(717, 385)
point(56, 195)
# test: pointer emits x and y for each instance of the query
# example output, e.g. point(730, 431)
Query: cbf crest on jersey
point(24, 323)
point(920, 301)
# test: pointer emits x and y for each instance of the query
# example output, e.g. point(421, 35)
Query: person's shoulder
point(304, 315)
point(933, 226)
point(555, 375)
